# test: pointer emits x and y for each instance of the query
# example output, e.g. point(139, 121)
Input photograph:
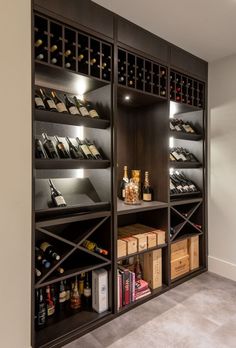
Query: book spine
point(133, 286)
point(126, 287)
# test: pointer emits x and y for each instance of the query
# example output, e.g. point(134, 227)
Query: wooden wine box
point(152, 268)
point(159, 234)
point(193, 247)
point(131, 244)
point(179, 249)
point(121, 248)
point(179, 266)
point(135, 233)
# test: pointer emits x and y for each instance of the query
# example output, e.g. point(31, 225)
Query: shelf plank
point(176, 164)
point(123, 208)
point(185, 236)
point(185, 136)
point(186, 201)
point(68, 119)
point(142, 252)
point(183, 196)
point(70, 164)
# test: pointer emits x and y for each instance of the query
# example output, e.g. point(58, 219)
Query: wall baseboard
point(223, 268)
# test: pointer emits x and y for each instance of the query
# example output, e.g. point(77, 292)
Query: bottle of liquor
point(75, 300)
point(68, 289)
point(62, 294)
point(81, 107)
point(83, 146)
point(71, 106)
point(81, 285)
point(39, 149)
point(49, 251)
point(94, 247)
point(54, 296)
point(147, 190)
point(57, 198)
point(41, 309)
point(39, 104)
point(48, 102)
point(91, 110)
point(49, 301)
point(74, 151)
point(138, 269)
point(87, 292)
point(61, 148)
point(49, 147)
point(93, 149)
point(59, 103)
point(123, 183)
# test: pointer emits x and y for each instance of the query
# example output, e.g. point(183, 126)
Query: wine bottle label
point(186, 187)
point(51, 104)
point(62, 297)
point(123, 193)
point(39, 102)
point(83, 111)
point(178, 128)
point(41, 315)
point(61, 107)
point(87, 292)
point(85, 149)
point(147, 196)
point(183, 157)
point(193, 187)
point(172, 187)
point(73, 110)
point(186, 128)
point(59, 200)
point(179, 187)
point(50, 309)
point(81, 287)
point(176, 155)
point(94, 150)
point(93, 113)
point(171, 126)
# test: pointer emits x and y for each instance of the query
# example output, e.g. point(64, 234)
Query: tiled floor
point(200, 313)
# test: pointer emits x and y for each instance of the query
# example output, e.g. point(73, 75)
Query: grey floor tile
point(226, 334)
point(87, 341)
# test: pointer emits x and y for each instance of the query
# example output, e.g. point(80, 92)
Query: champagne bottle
point(41, 309)
point(61, 148)
point(49, 147)
point(87, 292)
point(62, 294)
point(83, 146)
point(123, 183)
point(94, 247)
point(92, 112)
point(49, 251)
point(39, 104)
point(59, 103)
point(57, 198)
point(48, 102)
point(96, 154)
point(49, 302)
point(71, 106)
point(39, 149)
point(74, 152)
point(81, 107)
point(147, 190)
point(75, 300)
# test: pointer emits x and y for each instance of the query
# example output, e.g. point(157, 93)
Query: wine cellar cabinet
point(111, 100)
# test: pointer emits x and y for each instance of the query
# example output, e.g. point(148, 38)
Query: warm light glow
point(79, 173)
point(80, 132)
point(127, 97)
point(173, 109)
point(171, 142)
point(81, 87)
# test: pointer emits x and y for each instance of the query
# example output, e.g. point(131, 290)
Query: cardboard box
point(179, 249)
point(179, 266)
point(131, 244)
point(100, 290)
point(152, 268)
point(193, 247)
point(142, 241)
point(121, 248)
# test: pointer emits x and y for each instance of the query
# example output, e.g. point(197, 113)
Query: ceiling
point(206, 28)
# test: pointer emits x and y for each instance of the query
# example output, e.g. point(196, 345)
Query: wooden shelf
point(186, 201)
point(70, 164)
point(183, 196)
point(123, 208)
point(142, 252)
point(185, 136)
point(72, 120)
point(185, 236)
point(176, 164)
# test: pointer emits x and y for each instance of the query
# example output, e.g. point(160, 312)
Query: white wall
point(15, 173)
point(222, 170)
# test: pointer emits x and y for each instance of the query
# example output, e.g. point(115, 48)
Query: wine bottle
point(94, 247)
point(54, 296)
point(81, 285)
point(38, 43)
point(49, 147)
point(57, 198)
point(67, 53)
point(49, 302)
point(147, 190)
point(49, 251)
point(138, 269)
point(38, 254)
point(48, 102)
point(39, 149)
point(81, 107)
point(75, 300)
point(41, 309)
point(123, 183)
point(38, 273)
point(61, 148)
point(60, 270)
point(87, 292)
point(59, 103)
point(39, 104)
point(68, 289)
point(85, 149)
point(91, 110)
point(93, 61)
point(44, 263)
point(96, 154)
point(71, 106)
point(74, 151)
point(40, 56)
point(62, 294)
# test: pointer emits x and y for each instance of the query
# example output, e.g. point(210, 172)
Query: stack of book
point(130, 290)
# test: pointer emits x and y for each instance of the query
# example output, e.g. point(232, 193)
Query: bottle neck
point(125, 173)
point(146, 180)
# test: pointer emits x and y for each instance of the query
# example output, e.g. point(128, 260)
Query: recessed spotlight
point(127, 97)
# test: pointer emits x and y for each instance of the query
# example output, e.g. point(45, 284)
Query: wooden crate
point(152, 268)
point(193, 247)
point(121, 248)
point(179, 249)
point(179, 266)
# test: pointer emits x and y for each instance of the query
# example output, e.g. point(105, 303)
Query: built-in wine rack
point(186, 90)
point(67, 48)
point(141, 74)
